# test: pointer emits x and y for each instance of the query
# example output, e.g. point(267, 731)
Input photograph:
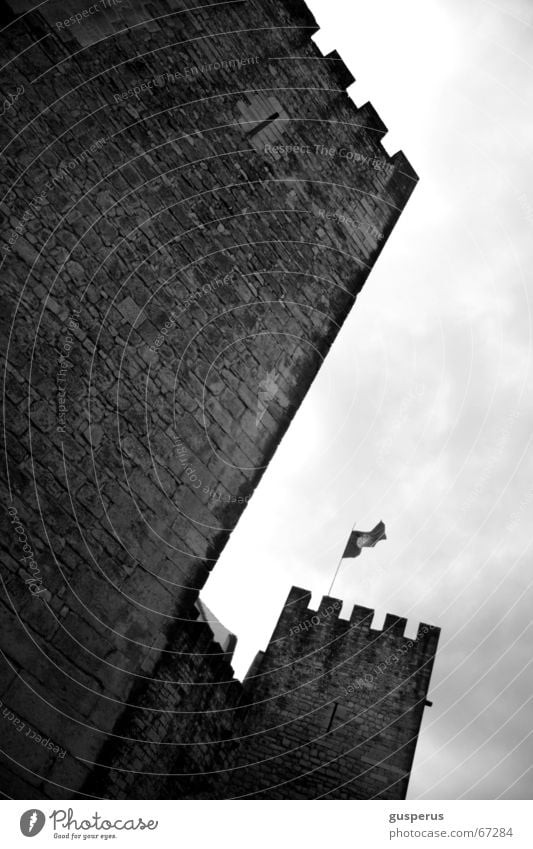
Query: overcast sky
point(421, 415)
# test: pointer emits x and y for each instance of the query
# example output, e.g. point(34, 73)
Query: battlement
point(270, 43)
point(339, 69)
point(328, 686)
point(301, 15)
point(298, 618)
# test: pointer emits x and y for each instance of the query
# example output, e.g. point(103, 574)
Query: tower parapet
point(335, 705)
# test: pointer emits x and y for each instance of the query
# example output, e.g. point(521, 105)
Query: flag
point(362, 539)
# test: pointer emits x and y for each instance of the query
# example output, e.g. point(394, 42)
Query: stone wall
point(179, 739)
point(332, 709)
point(193, 203)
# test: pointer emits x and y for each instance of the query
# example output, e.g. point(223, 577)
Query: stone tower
point(335, 706)
point(193, 205)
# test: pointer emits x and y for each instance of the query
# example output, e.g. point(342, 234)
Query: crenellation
point(394, 625)
point(339, 70)
point(362, 617)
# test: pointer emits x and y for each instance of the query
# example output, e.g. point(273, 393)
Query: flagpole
point(335, 575)
point(339, 563)
point(367, 539)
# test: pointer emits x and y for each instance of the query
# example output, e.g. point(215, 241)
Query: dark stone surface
point(129, 467)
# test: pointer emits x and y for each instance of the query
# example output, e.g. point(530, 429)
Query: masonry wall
point(332, 709)
point(335, 706)
point(179, 739)
point(173, 277)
